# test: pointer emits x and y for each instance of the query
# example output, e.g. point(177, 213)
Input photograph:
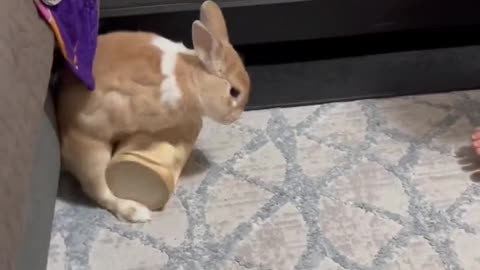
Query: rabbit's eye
point(235, 93)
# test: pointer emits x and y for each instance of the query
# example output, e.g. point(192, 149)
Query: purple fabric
point(77, 24)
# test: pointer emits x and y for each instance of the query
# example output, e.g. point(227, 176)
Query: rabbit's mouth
point(232, 117)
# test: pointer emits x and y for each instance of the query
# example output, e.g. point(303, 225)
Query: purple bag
point(75, 25)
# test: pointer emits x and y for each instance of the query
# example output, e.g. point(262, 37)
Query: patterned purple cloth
point(75, 25)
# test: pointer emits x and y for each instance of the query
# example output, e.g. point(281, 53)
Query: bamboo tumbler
point(145, 168)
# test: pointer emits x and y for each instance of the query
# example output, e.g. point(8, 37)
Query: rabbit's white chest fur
point(170, 91)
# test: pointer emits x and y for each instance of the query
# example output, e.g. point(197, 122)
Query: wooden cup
point(145, 168)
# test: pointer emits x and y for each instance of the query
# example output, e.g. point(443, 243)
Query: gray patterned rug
point(375, 184)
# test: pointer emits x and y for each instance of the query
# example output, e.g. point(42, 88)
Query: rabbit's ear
point(211, 16)
point(206, 46)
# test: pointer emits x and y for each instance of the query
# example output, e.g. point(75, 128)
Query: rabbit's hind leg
point(87, 159)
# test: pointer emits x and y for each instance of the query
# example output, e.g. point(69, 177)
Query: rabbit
point(146, 83)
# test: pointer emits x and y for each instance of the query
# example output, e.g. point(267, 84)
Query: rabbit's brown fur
point(145, 84)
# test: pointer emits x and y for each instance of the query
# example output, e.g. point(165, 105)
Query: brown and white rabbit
point(144, 84)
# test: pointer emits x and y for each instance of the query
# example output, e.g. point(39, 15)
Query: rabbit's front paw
point(133, 211)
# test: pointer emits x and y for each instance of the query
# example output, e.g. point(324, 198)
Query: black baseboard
point(371, 76)
point(382, 65)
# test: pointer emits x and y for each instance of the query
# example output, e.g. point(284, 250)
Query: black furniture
point(311, 51)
